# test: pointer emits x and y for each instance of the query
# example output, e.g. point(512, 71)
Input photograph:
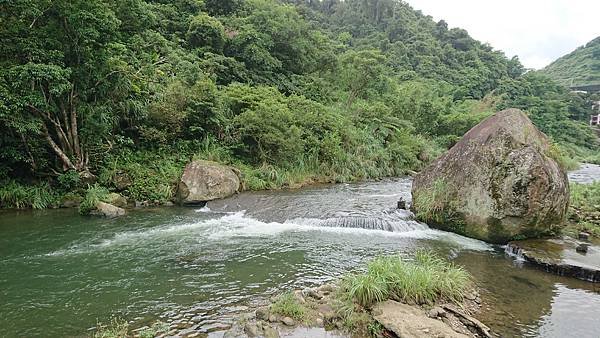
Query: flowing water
point(60, 273)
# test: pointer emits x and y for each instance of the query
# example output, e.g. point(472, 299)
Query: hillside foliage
point(288, 91)
point(578, 68)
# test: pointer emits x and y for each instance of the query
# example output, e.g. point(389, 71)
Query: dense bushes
point(290, 93)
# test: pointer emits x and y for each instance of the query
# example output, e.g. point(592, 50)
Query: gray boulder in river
point(206, 181)
point(498, 183)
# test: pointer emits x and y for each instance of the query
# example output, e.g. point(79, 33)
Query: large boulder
point(204, 181)
point(499, 182)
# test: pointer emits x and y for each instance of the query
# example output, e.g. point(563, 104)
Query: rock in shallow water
point(107, 210)
point(560, 256)
point(500, 181)
point(206, 181)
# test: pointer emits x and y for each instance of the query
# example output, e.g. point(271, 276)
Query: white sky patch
point(538, 31)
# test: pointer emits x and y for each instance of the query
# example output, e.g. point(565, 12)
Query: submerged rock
point(499, 182)
point(560, 256)
point(204, 181)
point(409, 321)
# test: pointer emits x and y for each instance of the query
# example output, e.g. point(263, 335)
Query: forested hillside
point(578, 68)
point(97, 92)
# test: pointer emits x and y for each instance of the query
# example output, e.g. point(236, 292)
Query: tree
point(58, 65)
point(206, 31)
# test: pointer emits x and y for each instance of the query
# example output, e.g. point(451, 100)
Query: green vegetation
point(124, 92)
point(578, 68)
point(584, 211)
point(117, 328)
point(18, 196)
point(93, 196)
point(425, 280)
point(287, 305)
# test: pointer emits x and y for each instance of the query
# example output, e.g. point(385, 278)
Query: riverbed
point(61, 273)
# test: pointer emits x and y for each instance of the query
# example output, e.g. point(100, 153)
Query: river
point(61, 272)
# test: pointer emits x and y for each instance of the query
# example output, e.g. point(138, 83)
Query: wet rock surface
point(564, 257)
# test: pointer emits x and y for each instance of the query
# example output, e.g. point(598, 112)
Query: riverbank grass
point(584, 211)
point(287, 305)
point(117, 328)
point(426, 279)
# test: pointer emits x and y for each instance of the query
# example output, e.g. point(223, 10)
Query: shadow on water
point(62, 272)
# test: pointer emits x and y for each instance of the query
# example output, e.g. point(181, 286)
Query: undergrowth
point(14, 195)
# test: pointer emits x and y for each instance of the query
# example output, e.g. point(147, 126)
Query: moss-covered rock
point(498, 183)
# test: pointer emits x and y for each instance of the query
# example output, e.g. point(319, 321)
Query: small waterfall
point(364, 222)
point(515, 251)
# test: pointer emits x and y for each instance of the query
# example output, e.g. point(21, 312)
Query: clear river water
point(61, 273)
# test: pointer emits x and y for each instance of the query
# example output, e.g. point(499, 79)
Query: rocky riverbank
point(395, 297)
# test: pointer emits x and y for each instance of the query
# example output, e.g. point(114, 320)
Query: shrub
point(153, 173)
point(288, 306)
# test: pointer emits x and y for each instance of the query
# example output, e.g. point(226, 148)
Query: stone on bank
point(499, 182)
point(204, 181)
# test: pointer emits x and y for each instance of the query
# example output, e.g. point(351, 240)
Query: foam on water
point(239, 225)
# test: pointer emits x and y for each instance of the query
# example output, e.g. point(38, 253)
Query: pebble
point(288, 321)
point(251, 330)
point(262, 313)
point(270, 332)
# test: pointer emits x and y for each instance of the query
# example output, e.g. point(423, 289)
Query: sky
point(537, 31)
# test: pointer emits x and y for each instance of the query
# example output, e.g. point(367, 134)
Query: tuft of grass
point(117, 328)
point(154, 330)
point(93, 195)
point(287, 305)
point(14, 195)
point(424, 280)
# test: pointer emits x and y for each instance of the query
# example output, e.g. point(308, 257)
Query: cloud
point(538, 31)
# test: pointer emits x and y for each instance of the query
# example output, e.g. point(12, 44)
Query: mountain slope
point(578, 68)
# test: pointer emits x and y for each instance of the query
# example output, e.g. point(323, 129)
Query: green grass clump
point(93, 196)
point(424, 280)
point(14, 195)
point(117, 328)
point(287, 305)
